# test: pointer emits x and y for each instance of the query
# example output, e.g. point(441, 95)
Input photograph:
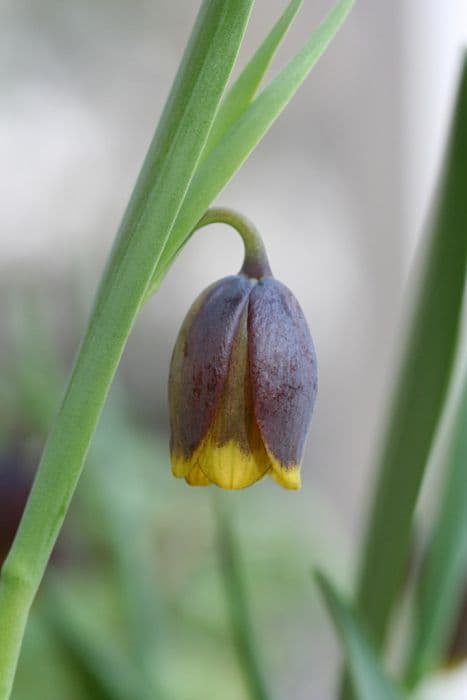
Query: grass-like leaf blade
point(233, 149)
point(422, 387)
point(369, 679)
point(245, 87)
point(443, 576)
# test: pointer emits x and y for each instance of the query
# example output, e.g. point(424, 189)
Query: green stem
point(421, 391)
point(237, 601)
point(420, 396)
point(161, 187)
point(256, 262)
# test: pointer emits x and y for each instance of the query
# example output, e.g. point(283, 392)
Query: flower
point(242, 385)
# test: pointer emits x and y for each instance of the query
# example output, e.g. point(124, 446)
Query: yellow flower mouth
point(231, 468)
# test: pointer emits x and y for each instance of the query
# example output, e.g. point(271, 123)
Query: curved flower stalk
point(243, 377)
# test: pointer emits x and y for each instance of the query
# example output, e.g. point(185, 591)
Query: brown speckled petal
point(233, 455)
point(200, 363)
point(283, 374)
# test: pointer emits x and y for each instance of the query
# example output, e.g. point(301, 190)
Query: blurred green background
point(135, 579)
point(345, 174)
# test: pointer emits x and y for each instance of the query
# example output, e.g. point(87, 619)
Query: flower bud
point(242, 385)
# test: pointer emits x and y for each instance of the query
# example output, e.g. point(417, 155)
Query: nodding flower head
point(243, 383)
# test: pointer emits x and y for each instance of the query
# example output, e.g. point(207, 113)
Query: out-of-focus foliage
point(137, 564)
point(369, 679)
point(419, 402)
point(420, 395)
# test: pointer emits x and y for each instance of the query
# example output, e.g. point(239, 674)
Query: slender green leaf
point(233, 149)
point(248, 650)
point(166, 174)
point(421, 391)
point(369, 679)
point(443, 578)
point(245, 87)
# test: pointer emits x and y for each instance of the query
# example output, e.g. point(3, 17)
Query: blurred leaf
point(100, 667)
point(369, 679)
point(120, 494)
point(244, 89)
point(422, 387)
point(32, 387)
point(235, 146)
point(443, 576)
point(242, 630)
point(43, 673)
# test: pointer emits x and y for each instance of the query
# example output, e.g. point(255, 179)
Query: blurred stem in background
point(420, 395)
point(369, 679)
point(237, 601)
point(103, 671)
point(125, 523)
point(422, 388)
point(441, 585)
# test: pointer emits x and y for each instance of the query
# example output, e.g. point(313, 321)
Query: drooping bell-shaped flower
point(242, 381)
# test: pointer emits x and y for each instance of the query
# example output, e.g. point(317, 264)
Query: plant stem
point(421, 392)
point(256, 262)
point(441, 581)
point(238, 605)
point(159, 192)
point(420, 397)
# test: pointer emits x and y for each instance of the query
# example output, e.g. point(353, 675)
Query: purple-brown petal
point(200, 361)
point(283, 370)
point(233, 455)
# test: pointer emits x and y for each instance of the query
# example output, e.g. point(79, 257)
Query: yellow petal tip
point(229, 466)
point(181, 467)
point(287, 477)
point(196, 478)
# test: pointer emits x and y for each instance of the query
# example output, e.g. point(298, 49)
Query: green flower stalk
point(243, 377)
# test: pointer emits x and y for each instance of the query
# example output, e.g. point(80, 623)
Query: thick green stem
point(161, 187)
point(16, 595)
